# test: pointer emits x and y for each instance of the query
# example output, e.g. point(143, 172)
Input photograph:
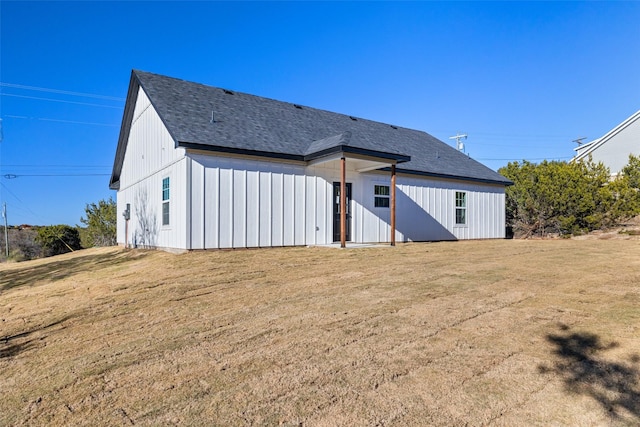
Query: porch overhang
point(369, 159)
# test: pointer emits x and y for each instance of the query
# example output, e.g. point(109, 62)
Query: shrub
point(568, 198)
point(58, 239)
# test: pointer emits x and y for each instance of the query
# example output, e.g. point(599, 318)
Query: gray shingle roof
point(244, 123)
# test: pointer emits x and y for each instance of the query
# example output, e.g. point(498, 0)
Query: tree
point(567, 198)
point(101, 223)
point(58, 239)
point(632, 171)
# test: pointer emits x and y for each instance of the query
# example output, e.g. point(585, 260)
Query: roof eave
point(125, 128)
point(240, 151)
point(506, 182)
point(397, 158)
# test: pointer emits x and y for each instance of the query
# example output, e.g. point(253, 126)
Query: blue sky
point(521, 79)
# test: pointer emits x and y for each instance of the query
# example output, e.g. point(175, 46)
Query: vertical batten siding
point(240, 195)
point(211, 202)
point(277, 192)
point(288, 206)
point(251, 203)
point(265, 209)
point(151, 156)
point(225, 208)
point(300, 211)
point(426, 210)
point(252, 219)
point(309, 210)
point(321, 200)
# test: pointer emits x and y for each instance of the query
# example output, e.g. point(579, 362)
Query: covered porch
point(360, 161)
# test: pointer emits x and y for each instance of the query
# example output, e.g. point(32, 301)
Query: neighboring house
point(614, 148)
point(199, 167)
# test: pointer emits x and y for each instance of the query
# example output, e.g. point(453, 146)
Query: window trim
point(381, 197)
point(166, 201)
point(462, 209)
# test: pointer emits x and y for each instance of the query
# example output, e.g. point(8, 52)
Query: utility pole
point(459, 144)
point(4, 206)
point(6, 234)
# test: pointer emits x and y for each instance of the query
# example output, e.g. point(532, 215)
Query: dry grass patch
point(466, 333)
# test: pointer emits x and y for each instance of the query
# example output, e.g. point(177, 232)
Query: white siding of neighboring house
point(614, 148)
point(254, 203)
point(151, 156)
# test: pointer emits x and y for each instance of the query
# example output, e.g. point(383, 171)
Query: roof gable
point(588, 148)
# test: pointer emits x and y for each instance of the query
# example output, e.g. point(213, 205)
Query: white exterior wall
point(239, 203)
point(150, 157)
point(230, 202)
point(426, 210)
point(614, 153)
point(614, 148)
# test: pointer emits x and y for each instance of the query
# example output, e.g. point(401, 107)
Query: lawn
point(500, 333)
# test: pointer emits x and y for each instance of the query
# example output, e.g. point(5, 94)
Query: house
point(613, 149)
point(199, 167)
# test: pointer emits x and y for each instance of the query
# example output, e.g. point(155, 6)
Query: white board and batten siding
point(150, 157)
point(426, 211)
point(614, 148)
point(237, 203)
point(431, 212)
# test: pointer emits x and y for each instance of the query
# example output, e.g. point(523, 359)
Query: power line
point(63, 92)
point(13, 175)
point(27, 208)
point(58, 166)
point(59, 100)
point(18, 199)
point(538, 158)
point(60, 121)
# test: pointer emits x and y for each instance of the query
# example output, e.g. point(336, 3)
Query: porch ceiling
point(360, 163)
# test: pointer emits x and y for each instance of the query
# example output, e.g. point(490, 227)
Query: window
point(381, 193)
point(165, 201)
point(461, 208)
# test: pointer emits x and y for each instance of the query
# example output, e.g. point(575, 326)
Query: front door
point(336, 212)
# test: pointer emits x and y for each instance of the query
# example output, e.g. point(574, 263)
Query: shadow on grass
point(54, 270)
point(615, 385)
point(13, 345)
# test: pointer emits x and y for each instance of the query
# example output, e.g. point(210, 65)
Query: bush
point(568, 198)
point(58, 239)
point(22, 244)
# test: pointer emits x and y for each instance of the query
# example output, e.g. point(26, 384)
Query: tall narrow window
point(165, 201)
point(461, 208)
point(381, 194)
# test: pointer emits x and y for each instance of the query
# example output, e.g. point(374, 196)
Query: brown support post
point(343, 202)
point(393, 205)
